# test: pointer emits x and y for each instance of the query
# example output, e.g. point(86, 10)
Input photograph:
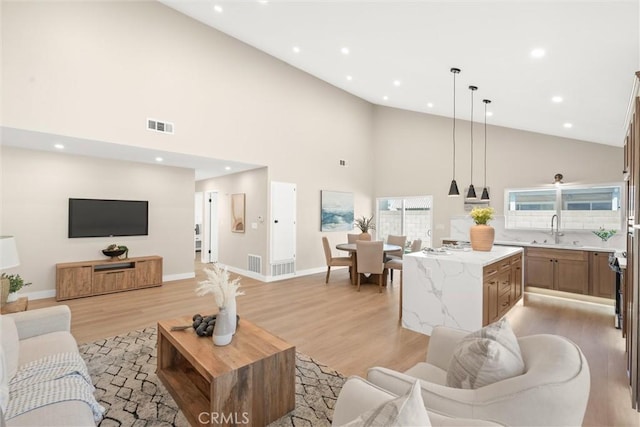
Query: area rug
point(123, 371)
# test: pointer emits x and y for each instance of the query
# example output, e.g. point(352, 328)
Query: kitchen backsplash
point(460, 226)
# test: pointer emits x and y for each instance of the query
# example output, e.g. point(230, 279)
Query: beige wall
point(37, 186)
point(414, 157)
point(97, 70)
point(234, 247)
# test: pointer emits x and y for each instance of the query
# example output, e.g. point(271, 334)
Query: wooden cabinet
point(558, 269)
point(516, 277)
point(502, 287)
point(73, 281)
point(148, 273)
point(81, 279)
point(568, 270)
point(602, 278)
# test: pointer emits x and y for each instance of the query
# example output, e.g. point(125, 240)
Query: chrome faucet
point(555, 233)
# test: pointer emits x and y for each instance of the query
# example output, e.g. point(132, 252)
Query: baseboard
point(179, 276)
point(51, 293)
point(270, 279)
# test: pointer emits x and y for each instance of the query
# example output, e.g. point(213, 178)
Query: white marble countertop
point(468, 256)
point(548, 245)
point(554, 246)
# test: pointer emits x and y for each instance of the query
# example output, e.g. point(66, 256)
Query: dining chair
point(398, 241)
point(334, 261)
point(352, 238)
point(396, 264)
point(370, 260)
point(416, 245)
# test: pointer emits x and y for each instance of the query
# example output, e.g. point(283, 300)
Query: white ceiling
point(592, 53)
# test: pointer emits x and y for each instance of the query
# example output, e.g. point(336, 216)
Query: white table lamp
point(8, 259)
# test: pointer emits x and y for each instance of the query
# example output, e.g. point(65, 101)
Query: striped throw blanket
point(52, 379)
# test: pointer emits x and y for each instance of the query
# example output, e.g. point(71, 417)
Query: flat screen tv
point(106, 218)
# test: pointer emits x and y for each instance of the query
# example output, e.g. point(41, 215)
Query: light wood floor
point(351, 331)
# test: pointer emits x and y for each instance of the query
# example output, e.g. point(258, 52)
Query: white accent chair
point(359, 396)
point(553, 391)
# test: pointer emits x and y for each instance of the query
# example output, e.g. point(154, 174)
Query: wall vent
point(159, 126)
point(254, 263)
point(283, 268)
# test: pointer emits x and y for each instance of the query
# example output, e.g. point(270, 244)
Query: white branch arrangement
point(218, 284)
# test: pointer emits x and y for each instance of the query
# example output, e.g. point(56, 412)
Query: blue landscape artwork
point(337, 211)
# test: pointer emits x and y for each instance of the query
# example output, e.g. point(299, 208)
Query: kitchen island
point(460, 288)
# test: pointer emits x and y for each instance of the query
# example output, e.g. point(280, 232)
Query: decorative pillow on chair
point(486, 356)
point(403, 411)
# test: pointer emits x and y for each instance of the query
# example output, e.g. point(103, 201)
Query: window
point(577, 207)
point(405, 216)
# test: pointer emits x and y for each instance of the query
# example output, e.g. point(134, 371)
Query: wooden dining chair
point(370, 260)
point(334, 261)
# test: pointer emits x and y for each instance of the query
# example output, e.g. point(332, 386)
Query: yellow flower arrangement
point(482, 215)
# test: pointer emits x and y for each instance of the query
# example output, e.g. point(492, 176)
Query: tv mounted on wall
point(106, 218)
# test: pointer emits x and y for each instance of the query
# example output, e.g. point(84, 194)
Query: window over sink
point(579, 207)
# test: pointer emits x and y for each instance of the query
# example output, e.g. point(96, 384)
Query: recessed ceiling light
point(568, 125)
point(159, 159)
point(296, 49)
point(227, 168)
point(263, 1)
point(349, 78)
point(538, 53)
point(397, 83)
point(59, 146)
point(489, 114)
point(217, 8)
point(430, 104)
point(386, 98)
point(557, 99)
point(345, 50)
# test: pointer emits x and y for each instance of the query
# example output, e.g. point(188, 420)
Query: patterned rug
point(123, 371)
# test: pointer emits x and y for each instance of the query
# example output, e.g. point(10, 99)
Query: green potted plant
point(15, 284)
point(365, 224)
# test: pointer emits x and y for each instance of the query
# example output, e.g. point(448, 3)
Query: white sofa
point(29, 336)
point(553, 391)
point(359, 396)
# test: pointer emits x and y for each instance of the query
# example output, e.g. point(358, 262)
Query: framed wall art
point(336, 211)
point(237, 213)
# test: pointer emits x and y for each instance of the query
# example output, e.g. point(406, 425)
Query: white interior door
point(283, 222)
point(198, 221)
point(210, 254)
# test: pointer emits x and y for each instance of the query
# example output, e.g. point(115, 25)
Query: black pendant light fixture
point(485, 190)
point(471, 193)
point(453, 188)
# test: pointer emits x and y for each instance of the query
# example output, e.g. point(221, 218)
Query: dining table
point(352, 248)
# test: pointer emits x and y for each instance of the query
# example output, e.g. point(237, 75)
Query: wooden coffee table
point(248, 382)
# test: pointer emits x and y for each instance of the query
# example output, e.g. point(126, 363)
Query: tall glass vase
point(223, 329)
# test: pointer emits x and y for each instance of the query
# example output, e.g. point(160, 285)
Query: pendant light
point(453, 188)
point(471, 194)
point(485, 190)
